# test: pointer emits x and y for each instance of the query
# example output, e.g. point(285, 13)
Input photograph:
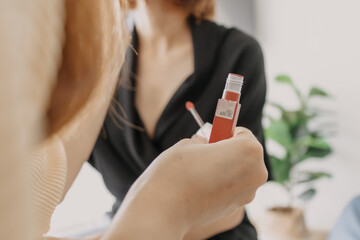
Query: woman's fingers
point(241, 131)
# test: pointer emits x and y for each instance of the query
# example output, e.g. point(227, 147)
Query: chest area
point(157, 81)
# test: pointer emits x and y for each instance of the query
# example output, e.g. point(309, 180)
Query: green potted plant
point(299, 142)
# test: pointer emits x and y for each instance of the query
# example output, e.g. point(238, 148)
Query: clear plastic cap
point(234, 83)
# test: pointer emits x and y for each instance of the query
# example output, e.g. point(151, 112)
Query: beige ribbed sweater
point(48, 175)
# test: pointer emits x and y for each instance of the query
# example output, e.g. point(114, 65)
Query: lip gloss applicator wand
point(191, 108)
point(205, 128)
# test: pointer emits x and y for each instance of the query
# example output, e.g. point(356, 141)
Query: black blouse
point(122, 152)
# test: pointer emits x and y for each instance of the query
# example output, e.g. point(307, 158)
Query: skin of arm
point(30, 52)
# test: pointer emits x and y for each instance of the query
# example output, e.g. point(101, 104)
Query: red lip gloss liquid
point(227, 110)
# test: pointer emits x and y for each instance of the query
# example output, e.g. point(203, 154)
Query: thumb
point(240, 131)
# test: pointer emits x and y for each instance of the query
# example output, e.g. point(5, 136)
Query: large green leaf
point(280, 169)
point(312, 176)
point(315, 146)
point(299, 129)
point(278, 131)
point(291, 117)
point(314, 91)
point(315, 142)
point(307, 195)
point(284, 79)
point(316, 153)
point(319, 143)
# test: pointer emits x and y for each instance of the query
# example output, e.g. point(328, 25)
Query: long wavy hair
point(90, 53)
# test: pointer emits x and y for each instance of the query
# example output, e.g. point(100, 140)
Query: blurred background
point(316, 43)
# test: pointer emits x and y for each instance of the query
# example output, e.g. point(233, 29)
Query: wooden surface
point(314, 235)
point(318, 235)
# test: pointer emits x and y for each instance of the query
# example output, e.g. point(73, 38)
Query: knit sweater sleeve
point(48, 167)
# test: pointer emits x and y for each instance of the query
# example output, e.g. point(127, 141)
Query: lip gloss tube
point(227, 110)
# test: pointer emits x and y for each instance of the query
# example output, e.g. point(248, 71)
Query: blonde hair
point(200, 9)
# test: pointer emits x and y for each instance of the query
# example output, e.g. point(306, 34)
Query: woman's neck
point(160, 23)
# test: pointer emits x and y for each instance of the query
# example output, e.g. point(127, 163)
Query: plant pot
point(283, 223)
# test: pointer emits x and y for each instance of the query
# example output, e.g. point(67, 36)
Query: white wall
point(84, 206)
point(317, 42)
point(237, 13)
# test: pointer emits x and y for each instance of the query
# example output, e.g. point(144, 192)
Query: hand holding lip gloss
point(227, 110)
